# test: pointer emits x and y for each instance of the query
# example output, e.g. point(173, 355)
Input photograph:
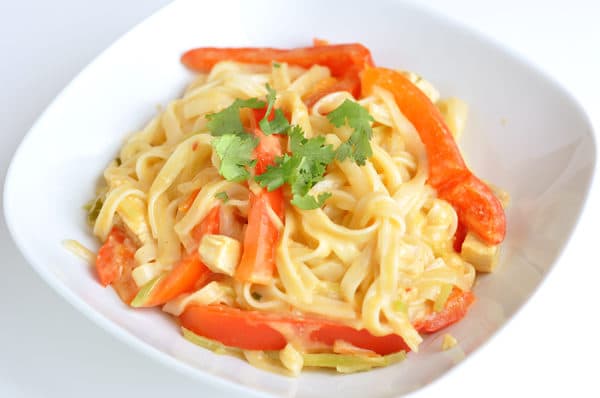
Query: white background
point(47, 349)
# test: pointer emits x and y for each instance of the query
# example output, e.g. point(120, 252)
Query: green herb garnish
point(301, 170)
point(222, 196)
point(279, 124)
point(228, 120)
point(308, 159)
point(93, 208)
point(357, 147)
point(235, 152)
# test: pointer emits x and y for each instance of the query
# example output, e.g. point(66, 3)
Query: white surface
point(50, 352)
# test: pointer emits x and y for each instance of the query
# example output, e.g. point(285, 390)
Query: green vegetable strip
point(142, 296)
point(351, 363)
point(342, 362)
point(442, 298)
point(209, 344)
point(93, 208)
point(222, 196)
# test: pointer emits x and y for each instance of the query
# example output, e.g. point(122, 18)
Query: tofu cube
point(220, 253)
point(484, 257)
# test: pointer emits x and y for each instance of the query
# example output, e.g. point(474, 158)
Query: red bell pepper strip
point(329, 332)
point(267, 150)
point(257, 264)
point(115, 262)
point(255, 330)
point(339, 58)
point(350, 81)
point(476, 205)
point(455, 309)
point(114, 255)
point(459, 237)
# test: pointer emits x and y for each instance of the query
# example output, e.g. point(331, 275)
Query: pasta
point(345, 271)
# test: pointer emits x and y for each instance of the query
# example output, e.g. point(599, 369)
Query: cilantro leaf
point(308, 202)
point(313, 149)
point(271, 97)
point(357, 147)
point(343, 151)
point(222, 196)
point(235, 153)
point(301, 169)
point(279, 123)
point(352, 113)
point(228, 120)
point(313, 157)
point(277, 175)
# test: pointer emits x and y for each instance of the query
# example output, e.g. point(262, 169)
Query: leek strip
point(442, 298)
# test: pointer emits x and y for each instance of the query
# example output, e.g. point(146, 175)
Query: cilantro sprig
point(357, 147)
point(232, 143)
point(279, 124)
point(301, 169)
point(308, 159)
point(228, 120)
point(235, 152)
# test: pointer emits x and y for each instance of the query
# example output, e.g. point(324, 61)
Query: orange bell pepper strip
point(339, 58)
point(345, 61)
point(256, 330)
point(459, 237)
point(455, 309)
point(269, 146)
point(475, 204)
point(257, 264)
point(189, 273)
point(114, 264)
point(114, 255)
point(349, 82)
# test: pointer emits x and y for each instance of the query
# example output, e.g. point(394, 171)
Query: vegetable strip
point(476, 205)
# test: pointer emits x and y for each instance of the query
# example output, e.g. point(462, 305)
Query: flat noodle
point(382, 237)
point(80, 251)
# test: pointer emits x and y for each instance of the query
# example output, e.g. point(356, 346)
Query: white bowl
point(525, 134)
